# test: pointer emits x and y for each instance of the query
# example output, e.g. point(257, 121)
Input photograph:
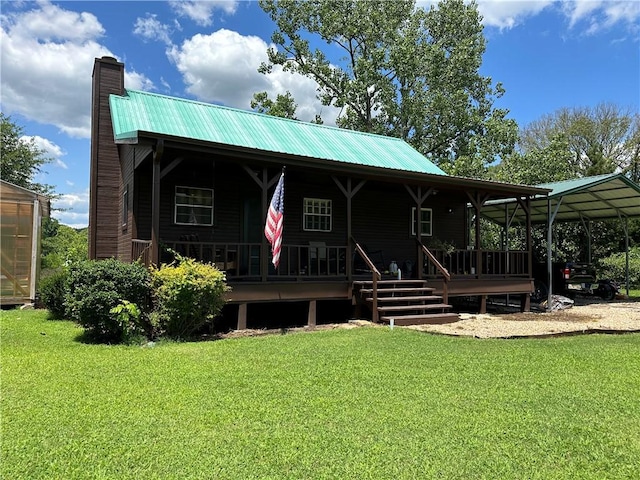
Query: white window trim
point(305, 214)
point(125, 207)
point(176, 205)
point(414, 221)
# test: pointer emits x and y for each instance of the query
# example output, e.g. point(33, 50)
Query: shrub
point(97, 287)
point(187, 296)
point(52, 290)
point(614, 267)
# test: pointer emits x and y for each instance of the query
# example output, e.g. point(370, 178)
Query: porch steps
point(407, 302)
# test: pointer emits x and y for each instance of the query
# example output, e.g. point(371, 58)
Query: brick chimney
point(105, 175)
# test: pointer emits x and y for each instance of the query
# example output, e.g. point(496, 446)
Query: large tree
point(602, 139)
point(404, 71)
point(20, 159)
point(540, 164)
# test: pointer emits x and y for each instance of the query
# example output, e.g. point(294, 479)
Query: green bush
point(614, 267)
point(97, 287)
point(187, 296)
point(52, 290)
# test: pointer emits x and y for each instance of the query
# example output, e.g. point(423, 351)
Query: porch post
point(311, 319)
point(264, 250)
point(155, 203)
point(477, 240)
point(242, 316)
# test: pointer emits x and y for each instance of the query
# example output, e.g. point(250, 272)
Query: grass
point(362, 403)
point(632, 293)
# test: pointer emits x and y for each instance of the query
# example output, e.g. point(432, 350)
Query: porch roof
point(142, 113)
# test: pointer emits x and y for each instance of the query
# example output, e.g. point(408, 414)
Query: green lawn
point(339, 404)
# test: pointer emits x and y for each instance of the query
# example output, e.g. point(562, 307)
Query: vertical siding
point(126, 230)
point(106, 178)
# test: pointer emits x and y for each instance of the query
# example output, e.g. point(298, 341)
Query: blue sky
point(547, 54)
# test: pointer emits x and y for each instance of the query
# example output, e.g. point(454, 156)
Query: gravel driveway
point(586, 316)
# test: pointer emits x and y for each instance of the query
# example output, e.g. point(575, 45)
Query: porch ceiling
point(591, 198)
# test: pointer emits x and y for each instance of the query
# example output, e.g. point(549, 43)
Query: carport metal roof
point(590, 198)
point(601, 197)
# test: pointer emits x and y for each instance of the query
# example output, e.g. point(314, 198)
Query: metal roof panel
point(162, 115)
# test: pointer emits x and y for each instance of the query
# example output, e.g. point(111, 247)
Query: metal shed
point(602, 197)
point(21, 213)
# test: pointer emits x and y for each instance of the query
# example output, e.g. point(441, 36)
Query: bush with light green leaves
point(187, 296)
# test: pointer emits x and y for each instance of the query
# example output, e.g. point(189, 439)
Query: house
point(169, 173)
point(21, 213)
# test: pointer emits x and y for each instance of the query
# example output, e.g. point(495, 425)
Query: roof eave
point(438, 180)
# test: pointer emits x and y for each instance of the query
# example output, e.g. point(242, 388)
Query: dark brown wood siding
point(382, 220)
point(381, 212)
point(127, 226)
point(106, 179)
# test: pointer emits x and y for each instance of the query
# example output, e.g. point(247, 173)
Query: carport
point(602, 197)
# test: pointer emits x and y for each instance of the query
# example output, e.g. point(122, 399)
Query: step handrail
point(375, 273)
point(445, 273)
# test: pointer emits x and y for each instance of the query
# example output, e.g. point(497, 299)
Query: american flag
point(275, 219)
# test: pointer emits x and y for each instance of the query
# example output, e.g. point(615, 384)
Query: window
point(317, 215)
point(425, 221)
point(125, 206)
point(194, 206)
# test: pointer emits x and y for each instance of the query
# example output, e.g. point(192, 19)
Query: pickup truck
point(573, 277)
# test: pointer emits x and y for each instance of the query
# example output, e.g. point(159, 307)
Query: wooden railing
point(375, 274)
point(244, 260)
point(443, 271)
point(141, 251)
point(492, 263)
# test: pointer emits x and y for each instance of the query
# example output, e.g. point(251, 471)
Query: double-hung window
point(193, 206)
point(425, 222)
point(316, 215)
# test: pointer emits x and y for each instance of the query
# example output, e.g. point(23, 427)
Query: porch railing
point(141, 251)
point(433, 262)
point(375, 274)
point(316, 260)
point(244, 260)
point(492, 263)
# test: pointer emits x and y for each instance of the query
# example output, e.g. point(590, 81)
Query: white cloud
point(591, 16)
point(510, 13)
point(50, 149)
point(223, 68)
point(201, 11)
point(47, 56)
point(150, 28)
point(72, 209)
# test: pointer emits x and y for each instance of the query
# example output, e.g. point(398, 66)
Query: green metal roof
point(591, 198)
point(156, 114)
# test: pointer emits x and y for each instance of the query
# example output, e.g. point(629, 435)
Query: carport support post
point(551, 216)
point(626, 251)
point(549, 241)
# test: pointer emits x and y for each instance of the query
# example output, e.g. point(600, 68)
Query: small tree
point(20, 159)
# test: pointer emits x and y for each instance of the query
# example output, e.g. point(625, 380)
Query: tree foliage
point(602, 139)
point(540, 164)
point(405, 72)
point(20, 159)
point(62, 245)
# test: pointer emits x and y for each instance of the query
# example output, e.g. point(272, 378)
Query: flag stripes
point(275, 220)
